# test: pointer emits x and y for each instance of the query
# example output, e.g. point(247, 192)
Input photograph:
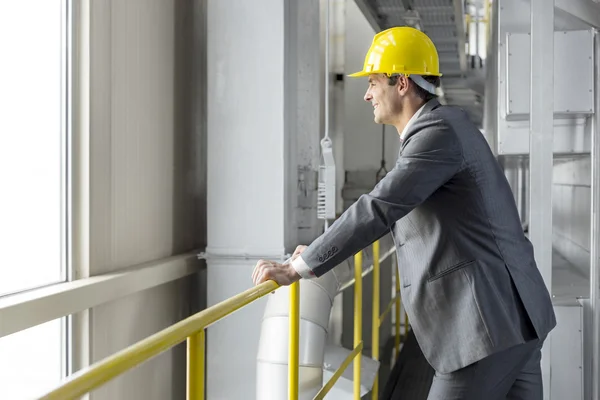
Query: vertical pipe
point(541, 149)
point(293, 364)
point(375, 320)
point(595, 227)
point(357, 320)
point(327, 66)
point(195, 367)
point(398, 309)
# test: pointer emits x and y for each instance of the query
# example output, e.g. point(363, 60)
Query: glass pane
point(31, 143)
point(31, 361)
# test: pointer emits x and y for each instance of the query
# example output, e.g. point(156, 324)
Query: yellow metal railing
point(294, 362)
point(193, 329)
point(195, 370)
point(338, 373)
point(376, 322)
point(357, 321)
point(378, 319)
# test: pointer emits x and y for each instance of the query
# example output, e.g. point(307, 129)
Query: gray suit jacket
point(470, 283)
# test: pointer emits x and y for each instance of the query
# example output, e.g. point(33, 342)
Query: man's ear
point(403, 84)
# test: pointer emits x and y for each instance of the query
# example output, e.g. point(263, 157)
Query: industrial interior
point(154, 150)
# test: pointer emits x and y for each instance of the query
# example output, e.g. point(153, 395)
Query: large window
point(33, 165)
point(32, 145)
point(32, 361)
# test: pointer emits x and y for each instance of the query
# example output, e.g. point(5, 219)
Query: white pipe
point(316, 300)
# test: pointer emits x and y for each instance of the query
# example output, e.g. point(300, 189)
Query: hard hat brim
point(363, 74)
point(359, 74)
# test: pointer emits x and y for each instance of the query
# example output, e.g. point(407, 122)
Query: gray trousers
point(512, 374)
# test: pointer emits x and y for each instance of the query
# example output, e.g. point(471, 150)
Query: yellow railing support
point(293, 364)
point(388, 308)
point(357, 320)
point(398, 307)
point(325, 389)
point(375, 320)
point(195, 367)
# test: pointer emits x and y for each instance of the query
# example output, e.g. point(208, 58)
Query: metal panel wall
point(574, 124)
point(567, 354)
point(573, 97)
point(572, 134)
point(574, 69)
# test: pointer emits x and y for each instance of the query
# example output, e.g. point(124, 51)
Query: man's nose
point(368, 96)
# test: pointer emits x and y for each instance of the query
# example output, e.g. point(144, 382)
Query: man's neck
point(409, 110)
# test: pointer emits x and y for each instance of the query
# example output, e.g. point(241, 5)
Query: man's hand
point(283, 274)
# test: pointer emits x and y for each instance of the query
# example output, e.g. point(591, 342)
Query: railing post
point(375, 320)
point(195, 367)
point(398, 315)
point(294, 328)
point(357, 320)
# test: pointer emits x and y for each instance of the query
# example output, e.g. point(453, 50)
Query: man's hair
point(420, 92)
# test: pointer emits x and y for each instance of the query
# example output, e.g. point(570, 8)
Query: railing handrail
point(103, 371)
point(193, 328)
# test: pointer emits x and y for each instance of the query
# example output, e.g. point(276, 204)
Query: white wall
point(362, 137)
point(262, 137)
point(249, 165)
point(147, 185)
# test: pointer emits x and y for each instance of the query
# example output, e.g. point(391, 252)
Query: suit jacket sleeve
point(430, 158)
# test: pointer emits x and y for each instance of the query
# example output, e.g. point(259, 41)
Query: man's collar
point(410, 121)
point(430, 105)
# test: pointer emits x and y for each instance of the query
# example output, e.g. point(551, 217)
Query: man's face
point(386, 99)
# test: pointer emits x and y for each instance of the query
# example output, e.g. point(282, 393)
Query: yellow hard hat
point(401, 50)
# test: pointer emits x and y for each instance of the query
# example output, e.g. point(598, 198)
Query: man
point(477, 303)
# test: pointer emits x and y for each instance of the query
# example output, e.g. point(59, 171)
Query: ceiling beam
point(370, 14)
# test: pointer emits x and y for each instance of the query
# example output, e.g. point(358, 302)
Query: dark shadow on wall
point(189, 142)
point(189, 159)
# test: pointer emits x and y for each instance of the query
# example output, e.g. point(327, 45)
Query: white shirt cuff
point(302, 269)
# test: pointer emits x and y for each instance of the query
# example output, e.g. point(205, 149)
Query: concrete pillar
point(260, 124)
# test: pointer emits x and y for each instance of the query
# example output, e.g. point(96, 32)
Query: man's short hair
point(421, 93)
